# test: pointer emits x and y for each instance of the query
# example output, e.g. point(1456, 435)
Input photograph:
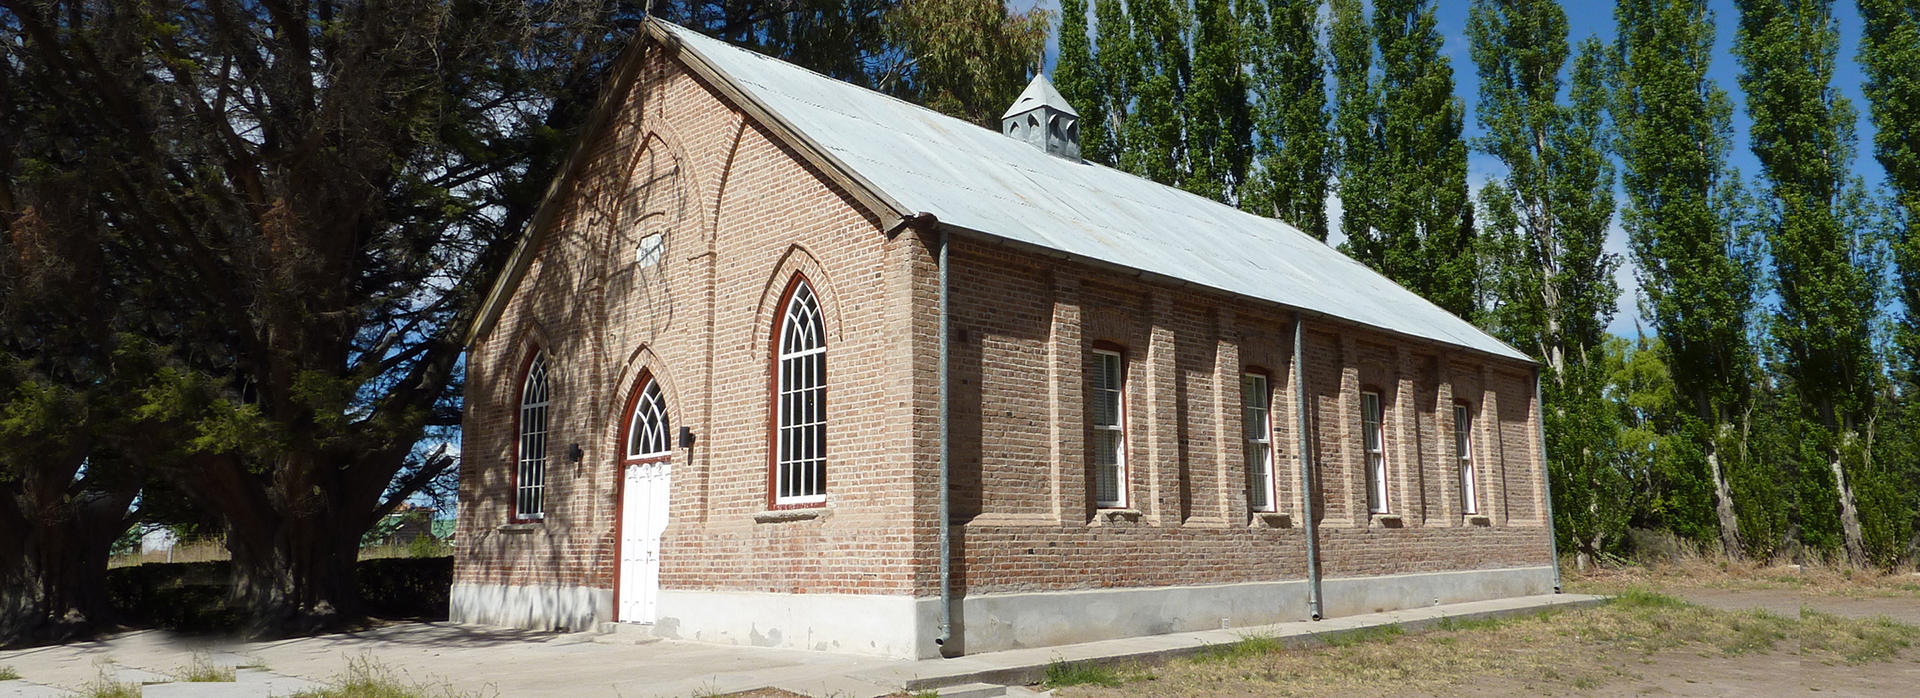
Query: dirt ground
point(1691, 629)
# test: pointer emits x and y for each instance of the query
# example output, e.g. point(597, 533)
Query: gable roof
point(898, 158)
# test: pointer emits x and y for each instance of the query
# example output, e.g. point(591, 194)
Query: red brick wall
point(1188, 520)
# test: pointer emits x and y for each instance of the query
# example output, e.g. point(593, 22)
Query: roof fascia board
point(871, 197)
point(535, 232)
point(1164, 280)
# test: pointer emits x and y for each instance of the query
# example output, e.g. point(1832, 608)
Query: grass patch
point(8, 674)
point(202, 671)
point(104, 687)
point(1648, 622)
point(1856, 640)
point(1363, 635)
point(1062, 674)
point(1248, 646)
point(366, 678)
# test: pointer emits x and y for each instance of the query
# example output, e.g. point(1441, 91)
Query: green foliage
point(1375, 633)
point(1550, 285)
point(968, 58)
point(1288, 83)
point(1403, 169)
point(1079, 80)
point(7, 673)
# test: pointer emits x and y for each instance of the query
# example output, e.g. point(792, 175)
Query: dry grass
point(1740, 575)
point(367, 678)
point(1575, 650)
point(195, 551)
point(202, 671)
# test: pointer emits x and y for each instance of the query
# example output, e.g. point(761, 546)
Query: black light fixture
point(686, 437)
point(574, 453)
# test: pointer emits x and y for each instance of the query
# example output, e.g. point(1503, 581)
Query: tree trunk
point(1849, 510)
point(1723, 500)
point(54, 551)
point(294, 546)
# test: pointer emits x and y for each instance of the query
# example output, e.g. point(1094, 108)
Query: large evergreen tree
point(1551, 283)
point(1403, 170)
point(1292, 141)
point(1696, 270)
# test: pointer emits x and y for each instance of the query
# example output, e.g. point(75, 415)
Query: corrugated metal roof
point(979, 180)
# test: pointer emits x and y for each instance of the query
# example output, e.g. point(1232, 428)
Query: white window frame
point(530, 478)
point(650, 429)
point(1373, 444)
point(800, 478)
point(1106, 360)
point(1256, 420)
point(1463, 449)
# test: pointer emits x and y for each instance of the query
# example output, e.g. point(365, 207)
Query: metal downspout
point(1546, 478)
point(946, 458)
point(1306, 467)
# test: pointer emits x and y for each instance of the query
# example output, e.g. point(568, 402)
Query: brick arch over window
point(795, 263)
point(641, 367)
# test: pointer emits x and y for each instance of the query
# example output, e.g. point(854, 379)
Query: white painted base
point(532, 607)
point(887, 626)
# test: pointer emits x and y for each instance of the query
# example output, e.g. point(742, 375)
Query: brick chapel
point(770, 331)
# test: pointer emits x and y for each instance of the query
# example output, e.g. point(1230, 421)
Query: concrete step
point(625, 634)
point(973, 690)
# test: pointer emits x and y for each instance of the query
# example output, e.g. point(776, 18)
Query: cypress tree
point(1551, 282)
point(1696, 268)
point(1403, 135)
point(1292, 142)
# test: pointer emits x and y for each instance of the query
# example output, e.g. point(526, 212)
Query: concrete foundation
point(532, 607)
point(1352, 596)
point(995, 622)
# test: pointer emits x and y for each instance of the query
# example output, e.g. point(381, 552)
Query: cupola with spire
point(1044, 119)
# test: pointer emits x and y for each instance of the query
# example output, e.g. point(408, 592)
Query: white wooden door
point(643, 518)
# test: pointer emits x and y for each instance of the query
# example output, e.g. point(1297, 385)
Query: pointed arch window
point(647, 434)
point(800, 401)
point(530, 478)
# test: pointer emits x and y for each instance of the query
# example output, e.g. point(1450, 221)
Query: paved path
point(522, 664)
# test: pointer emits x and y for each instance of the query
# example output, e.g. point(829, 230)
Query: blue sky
point(1596, 19)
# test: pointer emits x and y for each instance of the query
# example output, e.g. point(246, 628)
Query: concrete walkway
point(522, 664)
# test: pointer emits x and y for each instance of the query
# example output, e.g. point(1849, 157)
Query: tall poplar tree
point(1802, 134)
point(1697, 271)
point(1215, 110)
point(1401, 145)
point(1078, 78)
point(1292, 142)
point(1547, 219)
point(1154, 143)
point(1118, 63)
point(1889, 52)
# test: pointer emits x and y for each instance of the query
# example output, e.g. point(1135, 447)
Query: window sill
point(1116, 515)
point(1388, 520)
point(522, 527)
point(1479, 520)
point(1272, 519)
point(785, 515)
